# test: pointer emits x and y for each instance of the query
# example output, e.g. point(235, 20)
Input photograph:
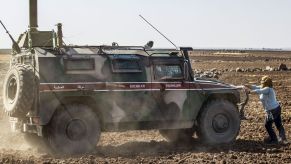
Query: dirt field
point(150, 147)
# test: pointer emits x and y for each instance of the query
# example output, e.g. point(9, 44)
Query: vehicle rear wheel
point(74, 129)
point(176, 135)
point(218, 122)
point(18, 90)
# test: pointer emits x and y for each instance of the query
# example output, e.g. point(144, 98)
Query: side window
point(125, 65)
point(163, 72)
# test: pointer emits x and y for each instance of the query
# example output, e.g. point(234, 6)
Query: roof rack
point(109, 47)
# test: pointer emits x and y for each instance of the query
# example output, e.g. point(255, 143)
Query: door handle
point(163, 88)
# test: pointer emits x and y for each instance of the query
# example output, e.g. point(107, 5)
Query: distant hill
point(5, 51)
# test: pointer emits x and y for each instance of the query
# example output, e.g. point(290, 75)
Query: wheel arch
point(212, 96)
point(229, 96)
point(46, 113)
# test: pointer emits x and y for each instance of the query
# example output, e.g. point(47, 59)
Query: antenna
point(158, 31)
point(15, 46)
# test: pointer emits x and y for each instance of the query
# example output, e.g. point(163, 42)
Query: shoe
point(270, 141)
point(283, 141)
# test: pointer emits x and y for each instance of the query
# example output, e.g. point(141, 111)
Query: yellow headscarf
point(266, 82)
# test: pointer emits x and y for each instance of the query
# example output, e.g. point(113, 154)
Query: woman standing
point(272, 108)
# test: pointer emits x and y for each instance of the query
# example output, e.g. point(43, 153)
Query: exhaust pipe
point(60, 35)
point(33, 15)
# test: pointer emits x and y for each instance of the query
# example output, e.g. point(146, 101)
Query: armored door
point(129, 89)
point(170, 89)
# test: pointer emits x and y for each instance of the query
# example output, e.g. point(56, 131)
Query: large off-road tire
point(177, 135)
point(18, 90)
point(218, 122)
point(74, 129)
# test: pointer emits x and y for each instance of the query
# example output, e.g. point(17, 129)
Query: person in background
point(272, 108)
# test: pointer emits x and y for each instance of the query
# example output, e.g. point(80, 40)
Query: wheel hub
point(220, 123)
point(76, 130)
point(11, 89)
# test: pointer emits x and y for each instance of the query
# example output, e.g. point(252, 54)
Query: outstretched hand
point(247, 89)
point(248, 86)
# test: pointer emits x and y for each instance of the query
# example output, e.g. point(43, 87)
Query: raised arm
point(262, 90)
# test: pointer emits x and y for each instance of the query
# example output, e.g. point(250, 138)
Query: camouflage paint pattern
point(129, 96)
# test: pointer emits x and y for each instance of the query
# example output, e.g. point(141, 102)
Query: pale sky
point(195, 23)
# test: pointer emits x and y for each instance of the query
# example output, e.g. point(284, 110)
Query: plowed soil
point(151, 147)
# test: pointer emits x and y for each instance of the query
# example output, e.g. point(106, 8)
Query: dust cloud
point(9, 139)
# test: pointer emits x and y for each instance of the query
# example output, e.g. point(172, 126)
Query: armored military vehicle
point(66, 96)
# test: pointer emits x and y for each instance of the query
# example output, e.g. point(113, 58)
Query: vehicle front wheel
point(74, 129)
point(218, 122)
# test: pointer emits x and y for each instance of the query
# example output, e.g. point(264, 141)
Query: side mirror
point(186, 70)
